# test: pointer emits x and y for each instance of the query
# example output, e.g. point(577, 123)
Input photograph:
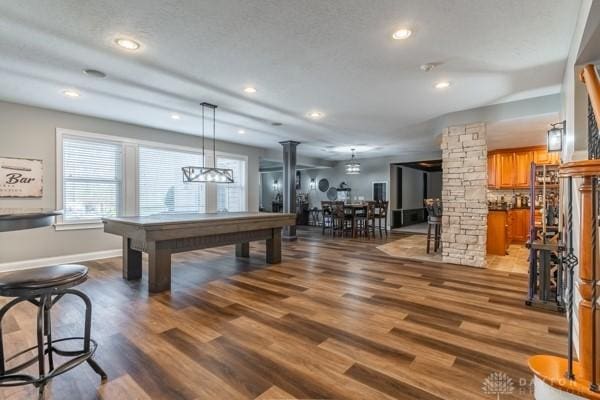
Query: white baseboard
point(67, 259)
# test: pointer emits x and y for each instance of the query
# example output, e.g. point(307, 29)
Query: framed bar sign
point(21, 177)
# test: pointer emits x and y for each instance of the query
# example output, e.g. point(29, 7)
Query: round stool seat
point(39, 280)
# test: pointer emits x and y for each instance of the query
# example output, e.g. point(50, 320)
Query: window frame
point(244, 159)
point(87, 223)
point(130, 174)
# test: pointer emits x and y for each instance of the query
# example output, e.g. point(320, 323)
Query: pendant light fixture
point(204, 173)
point(352, 166)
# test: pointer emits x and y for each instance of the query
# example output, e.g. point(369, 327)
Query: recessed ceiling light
point(94, 73)
point(249, 89)
point(175, 116)
point(241, 131)
point(70, 93)
point(442, 85)
point(127, 44)
point(402, 34)
point(315, 114)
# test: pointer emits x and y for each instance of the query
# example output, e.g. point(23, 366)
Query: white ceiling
point(519, 132)
point(336, 56)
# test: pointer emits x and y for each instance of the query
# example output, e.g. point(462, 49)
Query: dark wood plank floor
point(338, 319)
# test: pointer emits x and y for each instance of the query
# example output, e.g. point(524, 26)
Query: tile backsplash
point(494, 195)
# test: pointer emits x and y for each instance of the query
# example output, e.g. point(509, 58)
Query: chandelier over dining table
point(204, 173)
point(352, 166)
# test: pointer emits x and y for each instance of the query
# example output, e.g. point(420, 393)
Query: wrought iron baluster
point(593, 137)
point(594, 383)
point(571, 261)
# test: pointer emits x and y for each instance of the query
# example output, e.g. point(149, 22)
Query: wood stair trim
point(592, 84)
point(580, 168)
point(552, 370)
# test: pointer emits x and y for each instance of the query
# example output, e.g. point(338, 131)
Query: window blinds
point(230, 197)
point(92, 176)
point(160, 180)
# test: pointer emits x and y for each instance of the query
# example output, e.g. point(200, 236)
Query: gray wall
point(268, 178)
point(30, 132)
point(412, 188)
point(434, 185)
point(372, 169)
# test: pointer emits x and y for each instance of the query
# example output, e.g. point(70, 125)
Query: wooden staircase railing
point(582, 377)
point(589, 76)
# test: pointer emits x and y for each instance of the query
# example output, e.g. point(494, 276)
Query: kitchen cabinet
point(492, 168)
point(541, 156)
point(506, 167)
point(510, 221)
point(497, 238)
point(520, 225)
point(522, 168)
point(510, 168)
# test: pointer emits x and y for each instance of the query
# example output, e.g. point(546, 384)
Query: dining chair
point(380, 215)
point(341, 223)
point(327, 221)
point(365, 220)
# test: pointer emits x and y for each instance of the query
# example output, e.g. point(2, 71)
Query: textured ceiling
point(336, 56)
point(519, 132)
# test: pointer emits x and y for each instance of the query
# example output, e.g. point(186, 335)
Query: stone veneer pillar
point(464, 194)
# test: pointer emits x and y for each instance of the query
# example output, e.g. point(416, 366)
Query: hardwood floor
point(338, 319)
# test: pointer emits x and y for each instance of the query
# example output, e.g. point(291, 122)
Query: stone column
point(464, 195)
point(289, 185)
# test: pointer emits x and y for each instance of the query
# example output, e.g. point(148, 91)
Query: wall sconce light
point(275, 185)
point(555, 136)
point(313, 184)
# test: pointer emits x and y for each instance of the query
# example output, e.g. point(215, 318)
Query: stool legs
point(87, 332)
point(46, 346)
point(40, 336)
point(437, 235)
point(428, 236)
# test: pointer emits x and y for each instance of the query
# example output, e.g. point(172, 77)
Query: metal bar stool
point(434, 219)
point(44, 287)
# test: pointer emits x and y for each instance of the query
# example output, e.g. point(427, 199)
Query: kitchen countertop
point(509, 209)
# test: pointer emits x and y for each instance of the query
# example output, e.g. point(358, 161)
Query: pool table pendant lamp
point(555, 137)
point(204, 173)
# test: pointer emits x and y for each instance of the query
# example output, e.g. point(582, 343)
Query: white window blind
point(161, 186)
point(92, 175)
point(232, 196)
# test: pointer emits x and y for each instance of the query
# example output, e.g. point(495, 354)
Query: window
point(232, 196)
point(92, 174)
point(161, 186)
point(107, 176)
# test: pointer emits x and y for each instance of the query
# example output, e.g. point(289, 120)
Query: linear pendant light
point(203, 173)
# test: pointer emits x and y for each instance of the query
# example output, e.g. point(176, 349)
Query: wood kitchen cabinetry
point(506, 162)
point(493, 169)
point(497, 233)
point(522, 168)
point(543, 157)
point(519, 225)
point(506, 227)
point(510, 168)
